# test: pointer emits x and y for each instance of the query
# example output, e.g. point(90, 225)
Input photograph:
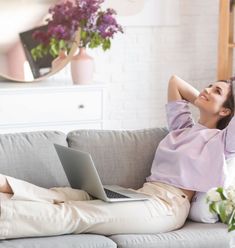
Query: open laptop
point(82, 174)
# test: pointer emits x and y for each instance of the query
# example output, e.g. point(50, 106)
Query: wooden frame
point(225, 39)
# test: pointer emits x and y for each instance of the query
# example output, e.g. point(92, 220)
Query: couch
point(122, 157)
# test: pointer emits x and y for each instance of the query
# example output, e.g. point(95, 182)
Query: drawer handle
point(81, 106)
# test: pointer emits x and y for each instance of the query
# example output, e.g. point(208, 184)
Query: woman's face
point(212, 98)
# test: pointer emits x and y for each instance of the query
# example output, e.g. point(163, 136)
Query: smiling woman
point(17, 20)
point(215, 102)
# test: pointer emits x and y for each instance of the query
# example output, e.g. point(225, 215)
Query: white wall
point(140, 62)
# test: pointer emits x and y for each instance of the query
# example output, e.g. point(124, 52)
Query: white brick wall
point(140, 62)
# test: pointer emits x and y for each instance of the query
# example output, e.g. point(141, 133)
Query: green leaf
point(220, 190)
point(231, 218)
point(62, 44)
point(106, 44)
point(95, 40)
point(83, 22)
point(83, 34)
point(39, 51)
point(222, 212)
point(231, 227)
point(212, 208)
point(33, 53)
point(54, 47)
point(219, 208)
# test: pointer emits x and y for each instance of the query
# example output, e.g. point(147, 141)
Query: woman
point(190, 158)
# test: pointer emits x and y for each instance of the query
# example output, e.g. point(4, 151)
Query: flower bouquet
point(222, 202)
point(97, 27)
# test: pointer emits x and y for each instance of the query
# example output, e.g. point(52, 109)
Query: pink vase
point(82, 67)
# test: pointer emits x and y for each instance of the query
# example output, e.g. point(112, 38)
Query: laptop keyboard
point(112, 194)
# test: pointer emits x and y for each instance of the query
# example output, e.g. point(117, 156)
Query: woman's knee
point(69, 194)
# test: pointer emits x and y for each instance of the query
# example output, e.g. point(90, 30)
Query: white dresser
point(50, 106)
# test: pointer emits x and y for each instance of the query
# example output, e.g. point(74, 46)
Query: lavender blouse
point(192, 156)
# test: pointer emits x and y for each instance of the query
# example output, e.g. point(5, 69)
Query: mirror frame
point(58, 68)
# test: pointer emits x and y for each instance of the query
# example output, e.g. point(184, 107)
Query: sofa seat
point(192, 235)
point(64, 241)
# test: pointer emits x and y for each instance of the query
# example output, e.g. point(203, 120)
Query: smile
point(203, 97)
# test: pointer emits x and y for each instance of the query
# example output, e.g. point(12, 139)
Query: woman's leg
point(162, 213)
point(22, 190)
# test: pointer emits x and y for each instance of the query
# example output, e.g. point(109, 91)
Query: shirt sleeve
point(229, 138)
point(178, 115)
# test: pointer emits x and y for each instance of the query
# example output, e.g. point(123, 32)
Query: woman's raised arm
point(229, 133)
point(179, 89)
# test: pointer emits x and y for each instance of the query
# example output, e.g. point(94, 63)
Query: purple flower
point(87, 15)
point(59, 32)
point(107, 24)
point(41, 37)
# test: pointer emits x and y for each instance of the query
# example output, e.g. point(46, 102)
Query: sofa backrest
point(121, 157)
point(31, 156)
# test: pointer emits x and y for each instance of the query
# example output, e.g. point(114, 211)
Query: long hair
point(229, 103)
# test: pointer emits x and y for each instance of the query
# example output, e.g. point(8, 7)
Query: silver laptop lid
point(80, 171)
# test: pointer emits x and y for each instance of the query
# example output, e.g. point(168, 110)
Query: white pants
point(35, 211)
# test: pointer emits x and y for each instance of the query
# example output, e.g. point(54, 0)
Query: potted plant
point(96, 26)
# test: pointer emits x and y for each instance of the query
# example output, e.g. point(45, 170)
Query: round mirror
point(18, 20)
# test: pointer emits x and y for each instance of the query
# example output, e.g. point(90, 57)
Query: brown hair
point(229, 103)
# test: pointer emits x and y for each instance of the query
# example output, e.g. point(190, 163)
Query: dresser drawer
point(50, 107)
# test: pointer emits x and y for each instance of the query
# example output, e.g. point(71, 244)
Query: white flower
point(228, 207)
point(213, 195)
point(230, 194)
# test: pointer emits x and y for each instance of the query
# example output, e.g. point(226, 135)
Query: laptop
point(82, 174)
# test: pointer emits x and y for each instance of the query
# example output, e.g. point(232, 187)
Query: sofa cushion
point(65, 241)
point(192, 235)
point(121, 157)
point(32, 157)
point(199, 209)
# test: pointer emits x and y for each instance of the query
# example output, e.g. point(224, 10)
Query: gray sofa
point(121, 157)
